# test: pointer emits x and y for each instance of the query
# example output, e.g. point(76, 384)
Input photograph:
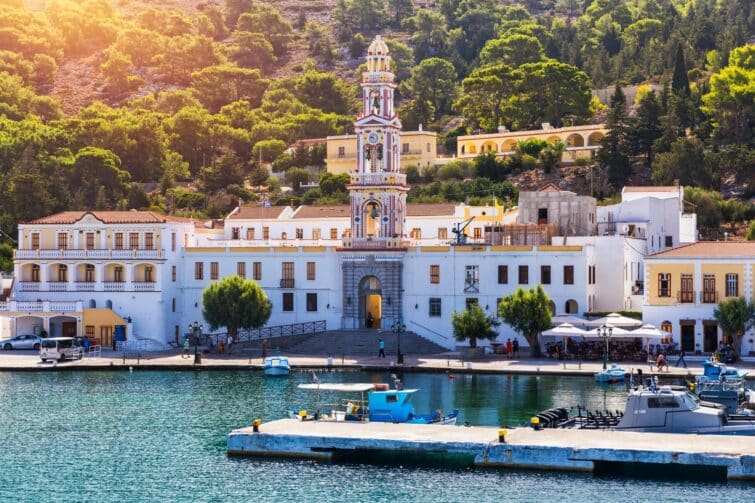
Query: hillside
point(195, 101)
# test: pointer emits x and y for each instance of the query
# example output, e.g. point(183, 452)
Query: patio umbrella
point(649, 332)
point(614, 320)
point(565, 330)
point(615, 332)
point(567, 318)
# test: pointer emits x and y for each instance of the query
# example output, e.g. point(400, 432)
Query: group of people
point(512, 348)
point(221, 347)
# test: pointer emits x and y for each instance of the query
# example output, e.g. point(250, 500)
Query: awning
point(614, 320)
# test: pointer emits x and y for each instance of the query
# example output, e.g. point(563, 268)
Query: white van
point(60, 348)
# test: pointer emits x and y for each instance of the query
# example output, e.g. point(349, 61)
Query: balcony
point(45, 306)
point(89, 254)
point(144, 286)
point(57, 286)
point(29, 286)
point(287, 283)
point(114, 286)
point(85, 286)
point(378, 179)
point(685, 296)
point(375, 243)
point(709, 297)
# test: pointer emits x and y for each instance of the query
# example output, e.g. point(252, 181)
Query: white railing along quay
point(137, 253)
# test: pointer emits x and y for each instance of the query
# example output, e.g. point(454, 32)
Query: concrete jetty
point(730, 457)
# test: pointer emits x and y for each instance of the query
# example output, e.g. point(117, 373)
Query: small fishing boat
point(611, 375)
point(276, 366)
point(725, 386)
point(381, 404)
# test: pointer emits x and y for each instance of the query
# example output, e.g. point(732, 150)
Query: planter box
point(472, 353)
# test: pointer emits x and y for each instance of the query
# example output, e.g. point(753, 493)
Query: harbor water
point(161, 436)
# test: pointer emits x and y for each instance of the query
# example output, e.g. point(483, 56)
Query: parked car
point(21, 342)
point(60, 348)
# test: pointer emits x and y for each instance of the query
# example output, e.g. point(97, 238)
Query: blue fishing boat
point(376, 403)
point(726, 386)
point(276, 366)
point(611, 375)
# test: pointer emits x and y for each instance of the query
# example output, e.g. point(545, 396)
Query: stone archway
point(370, 302)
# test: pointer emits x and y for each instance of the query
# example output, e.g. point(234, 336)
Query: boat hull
point(277, 371)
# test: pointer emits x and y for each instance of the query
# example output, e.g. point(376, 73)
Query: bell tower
point(377, 189)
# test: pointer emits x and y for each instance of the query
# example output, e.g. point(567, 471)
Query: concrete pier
point(524, 448)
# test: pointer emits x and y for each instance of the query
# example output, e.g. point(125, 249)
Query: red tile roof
point(430, 209)
point(109, 217)
point(342, 211)
point(257, 212)
point(711, 249)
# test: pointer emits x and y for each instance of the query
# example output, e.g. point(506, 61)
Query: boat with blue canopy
point(611, 375)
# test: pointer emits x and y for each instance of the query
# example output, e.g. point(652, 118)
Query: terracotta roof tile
point(339, 211)
point(257, 212)
point(430, 209)
point(109, 217)
point(711, 249)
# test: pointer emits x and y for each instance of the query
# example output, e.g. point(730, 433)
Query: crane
point(458, 229)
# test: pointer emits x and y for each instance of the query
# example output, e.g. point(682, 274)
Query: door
point(688, 338)
point(68, 329)
point(106, 336)
point(710, 337)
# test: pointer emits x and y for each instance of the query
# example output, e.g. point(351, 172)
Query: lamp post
point(605, 331)
point(196, 332)
point(398, 328)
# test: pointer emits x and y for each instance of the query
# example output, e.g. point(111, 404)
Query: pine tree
point(645, 129)
point(616, 148)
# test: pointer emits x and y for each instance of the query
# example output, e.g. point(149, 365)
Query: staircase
point(364, 342)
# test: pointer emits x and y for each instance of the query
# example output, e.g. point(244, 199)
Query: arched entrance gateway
point(370, 302)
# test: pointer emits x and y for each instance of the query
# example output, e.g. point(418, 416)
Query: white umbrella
point(567, 318)
point(565, 330)
point(614, 320)
point(649, 332)
point(615, 332)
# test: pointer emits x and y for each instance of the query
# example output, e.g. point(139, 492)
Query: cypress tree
point(679, 81)
point(616, 148)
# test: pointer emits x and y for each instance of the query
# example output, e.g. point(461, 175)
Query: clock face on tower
point(373, 138)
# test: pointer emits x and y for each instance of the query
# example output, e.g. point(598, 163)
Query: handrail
point(430, 330)
point(309, 327)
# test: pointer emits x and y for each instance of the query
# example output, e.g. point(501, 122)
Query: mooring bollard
point(535, 423)
point(502, 436)
point(256, 425)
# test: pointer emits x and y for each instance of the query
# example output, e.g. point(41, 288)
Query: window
point(35, 273)
point(666, 327)
point(241, 269)
point(174, 304)
point(545, 274)
point(118, 241)
point(428, 147)
point(503, 274)
point(62, 273)
point(472, 279)
point(568, 275)
point(35, 240)
point(709, 289)
point(89, 241)
point(316, 235)
point(299, 233)
point(524, 275)
point(664, 285)
point(434, 306)
point(288, 301)
point(172, 241)
point(62, 241)
point(333, 233)
point(686, 294)
point(173, 274)
point(149, 241)
point(472, 301)
point(732, 285)
point(89, 273)
point(669, 241)
point(310, 271)
point(404, 148)
point(250, 234)
point(287, 275)
point(148, 274)
point(434, 274)
point(478, 233)
point(198, 270)
point(257, 271)
point(214, 273)
point(266, 233)
point(416, 233)
point(284, 236)
point(311, 302)
point(235, 233)
point(442, 233)
point(542, 216)
point(341, 152)
point(118, 274)
point(133, 240)
point(89, 331)
point(662, 402)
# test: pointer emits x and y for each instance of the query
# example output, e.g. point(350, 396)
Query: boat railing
point(727, 384)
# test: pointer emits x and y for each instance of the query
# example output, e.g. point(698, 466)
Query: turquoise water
point(161, 436)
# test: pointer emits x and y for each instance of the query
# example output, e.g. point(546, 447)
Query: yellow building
point(581, 142)
point(418, 148)
point(685, 284)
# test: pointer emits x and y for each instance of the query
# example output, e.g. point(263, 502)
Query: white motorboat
point(276, 366)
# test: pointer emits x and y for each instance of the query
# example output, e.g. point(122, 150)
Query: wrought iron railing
point(709, 297)
point(307, 328)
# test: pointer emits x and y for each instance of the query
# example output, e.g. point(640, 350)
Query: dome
point(378, 47)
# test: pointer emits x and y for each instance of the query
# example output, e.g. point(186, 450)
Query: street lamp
point(398, 328)
point(196, 331)
point(605, 331)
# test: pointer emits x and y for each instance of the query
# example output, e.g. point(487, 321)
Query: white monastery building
point(139, 275)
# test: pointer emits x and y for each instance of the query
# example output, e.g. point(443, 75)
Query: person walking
point(681, 361)
point(381, 349)
point(515, 347)
point(509, 348)
point(187, 348)
point(86, 344)
point(229, 342)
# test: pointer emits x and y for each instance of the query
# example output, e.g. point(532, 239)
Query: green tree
point(96, 172)
point(751, 231)
point(550, 156)
point(235, 303)
point(484, 97)
point(514, 50)
point(679, 79)
point(268, 150)
point(616, 149)
point(429, 35)
point(433, 80)
point(266, 19)
point(473, 324)
point(527, 312)
point(401, 9)
point(296, 177)
point(645, 131)
point(6, 257)
point(735, 316)
point(252, 50)
point(216, 86)
point(685, 162)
